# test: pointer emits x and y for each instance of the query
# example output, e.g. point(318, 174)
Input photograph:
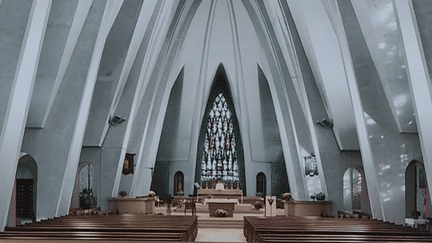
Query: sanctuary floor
point(218, 233)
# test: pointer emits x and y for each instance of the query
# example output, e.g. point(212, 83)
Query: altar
point(225, 193)
point(218, 203)
point(220, 197)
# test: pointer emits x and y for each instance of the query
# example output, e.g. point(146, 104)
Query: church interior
point(105, 99)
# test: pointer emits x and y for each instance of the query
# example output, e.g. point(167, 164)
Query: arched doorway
point(178, 184)
point(417, 202)
point(353, 189)
point(261, 185)
point(25, 190)
point(87, 198)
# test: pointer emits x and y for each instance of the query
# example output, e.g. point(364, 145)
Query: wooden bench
point(108, 227)
point(310, 229)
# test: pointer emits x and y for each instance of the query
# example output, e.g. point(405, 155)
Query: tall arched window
point(219, 156)
point(220, 148)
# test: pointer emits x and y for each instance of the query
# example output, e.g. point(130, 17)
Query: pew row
point(124, 227)
point(319, 229)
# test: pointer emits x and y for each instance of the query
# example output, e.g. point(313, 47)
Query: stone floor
point(219, 234)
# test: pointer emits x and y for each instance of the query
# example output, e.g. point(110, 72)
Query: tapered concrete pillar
point(362, 132)
point(418, 77)
point(111, 11)
point(16, 115)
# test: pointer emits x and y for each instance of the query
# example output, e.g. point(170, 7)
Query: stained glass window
point(219, 160)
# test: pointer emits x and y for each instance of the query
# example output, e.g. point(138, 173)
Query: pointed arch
point(220, 148)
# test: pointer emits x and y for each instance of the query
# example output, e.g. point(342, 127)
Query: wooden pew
point(109, 227)
point(309, 229)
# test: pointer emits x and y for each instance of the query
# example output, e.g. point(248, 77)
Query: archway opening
point(87, 198)
point(417, 199)
point(261, 183)
point(179, 184)
point(353, 184)
point(23, 205)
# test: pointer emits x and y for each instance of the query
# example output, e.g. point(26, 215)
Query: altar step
point(221, 224)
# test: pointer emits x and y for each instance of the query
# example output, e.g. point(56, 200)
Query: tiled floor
point(220, 235)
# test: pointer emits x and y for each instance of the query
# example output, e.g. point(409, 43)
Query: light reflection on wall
point(378, 22)
point(391, 151)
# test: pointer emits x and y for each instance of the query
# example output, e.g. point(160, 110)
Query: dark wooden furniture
point(124, 227)
point(190, 205)
point(320, 229)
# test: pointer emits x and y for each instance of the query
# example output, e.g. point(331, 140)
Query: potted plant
point(287, 196)
point(320, 196)
point(257, 205)
point(87, 200)
point(151, 193)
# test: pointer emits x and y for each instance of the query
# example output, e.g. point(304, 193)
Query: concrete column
point(111, 11)
point(141, 27)
point(293, 65)
point(143, 168)
point(419, 80)
point(362, 132)
point(81, 13)
point(16, 115)
point(281, 102)
point(244, 113)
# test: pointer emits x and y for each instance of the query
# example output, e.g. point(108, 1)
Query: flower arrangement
point(151, 193)
point(287, 196)
point(221, 213)
point(257, 205)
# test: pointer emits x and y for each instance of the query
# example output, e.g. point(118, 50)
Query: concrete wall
point(392, 150)
point(13, 23)
point(51, 144)
point(165, 133)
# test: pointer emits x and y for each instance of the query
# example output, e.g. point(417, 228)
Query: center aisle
point(221, 229)
point(220, 235)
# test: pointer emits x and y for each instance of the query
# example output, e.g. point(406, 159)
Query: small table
point(219, 203)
